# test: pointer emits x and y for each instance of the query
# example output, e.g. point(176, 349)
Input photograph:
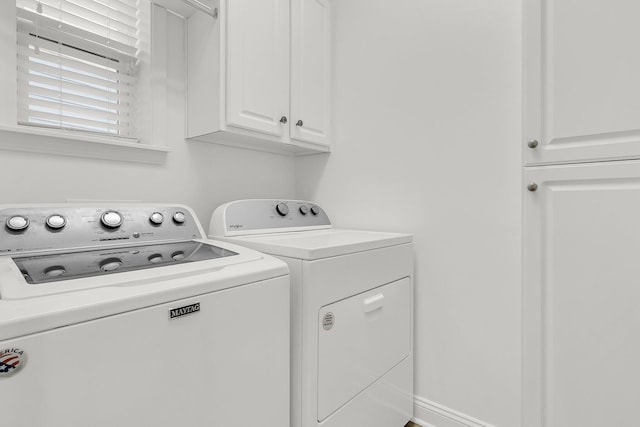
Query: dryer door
point(360, 339)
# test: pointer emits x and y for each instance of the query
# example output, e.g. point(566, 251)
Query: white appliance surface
point(350, 359)
point(351, 311)
point(317, 244)
point(181, 340)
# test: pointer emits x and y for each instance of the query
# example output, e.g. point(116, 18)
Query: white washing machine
point(128, 316)
point(351, 311)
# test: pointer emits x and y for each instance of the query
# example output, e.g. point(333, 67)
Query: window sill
point(52, 141)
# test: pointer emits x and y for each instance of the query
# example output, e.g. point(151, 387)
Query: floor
point(411, 424)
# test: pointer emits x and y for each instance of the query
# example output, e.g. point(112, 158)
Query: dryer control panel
point(267, 216)
point(46, 228)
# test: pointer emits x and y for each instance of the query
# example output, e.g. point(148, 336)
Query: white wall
point(197, 174)
point(426, 131)
point(426, 140)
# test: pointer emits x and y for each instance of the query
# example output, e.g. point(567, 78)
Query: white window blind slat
point(103, 15)
point(127, 7)
point(122, 8)
point(32, 23)
point(65, 120)
point(43, 90)
point(91, 12)
point(68, 107)
point(77, 64)
point(43, 85)
point(88, 17)
point(72, 70)
point(47, 85)
point(43, 41)
point(84, 75)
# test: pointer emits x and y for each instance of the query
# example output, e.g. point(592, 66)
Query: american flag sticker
point(11, 361)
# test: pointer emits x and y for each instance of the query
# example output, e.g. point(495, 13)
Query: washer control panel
point(46, 228)
point(260, 215)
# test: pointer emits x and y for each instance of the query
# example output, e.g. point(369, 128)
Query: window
point(77, 64)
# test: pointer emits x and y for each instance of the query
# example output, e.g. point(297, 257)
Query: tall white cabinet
point(582, 88)
point(581, 184)
point(258, 75)
point(582, 295)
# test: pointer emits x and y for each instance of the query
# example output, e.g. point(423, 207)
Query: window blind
point(77, 64)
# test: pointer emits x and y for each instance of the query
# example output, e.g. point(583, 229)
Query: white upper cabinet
point(258, 75)
point(257, 55)
point(310, 72)
point(582, 90)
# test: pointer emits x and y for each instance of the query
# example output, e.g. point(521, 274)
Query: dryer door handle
point(373, 303)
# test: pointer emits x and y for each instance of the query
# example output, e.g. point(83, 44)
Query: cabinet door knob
point(532, 143)
point(532, 186)
point(283, 120)
point(299, 123)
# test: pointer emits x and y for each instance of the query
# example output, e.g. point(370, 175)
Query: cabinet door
point(582, 91)
point(581, 295)
point(257, 64)
point(310, 71)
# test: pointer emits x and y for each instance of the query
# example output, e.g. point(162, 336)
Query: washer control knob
point(55, 271)
point(282, 209)
point(110, 264)
point(17, 223)
point(315, 210)
point(155, 258)
point(178, 256)
point(56, 221)
point(179, 217)
point(111, 219)
point(304, 210)
point(156, 218)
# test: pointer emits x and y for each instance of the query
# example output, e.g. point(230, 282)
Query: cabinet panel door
point(310, 71)
point(582, 295)
point(257, 64)
point(582, 91)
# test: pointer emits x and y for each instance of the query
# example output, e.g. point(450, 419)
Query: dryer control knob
point(178, 256)
point(110, 264)
point(315, 210)
point(304, 210)
point(282, 209)
point(56, 221)
point(179, 217)
point(111, 219)
point(17, 223)
point(156, 218)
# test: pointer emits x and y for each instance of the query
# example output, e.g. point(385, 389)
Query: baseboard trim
point(432, 414)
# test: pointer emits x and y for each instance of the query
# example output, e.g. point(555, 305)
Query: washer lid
point(317, 244)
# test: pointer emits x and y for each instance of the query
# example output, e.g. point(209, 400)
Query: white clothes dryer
point(128, 316)
point(351, 311)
